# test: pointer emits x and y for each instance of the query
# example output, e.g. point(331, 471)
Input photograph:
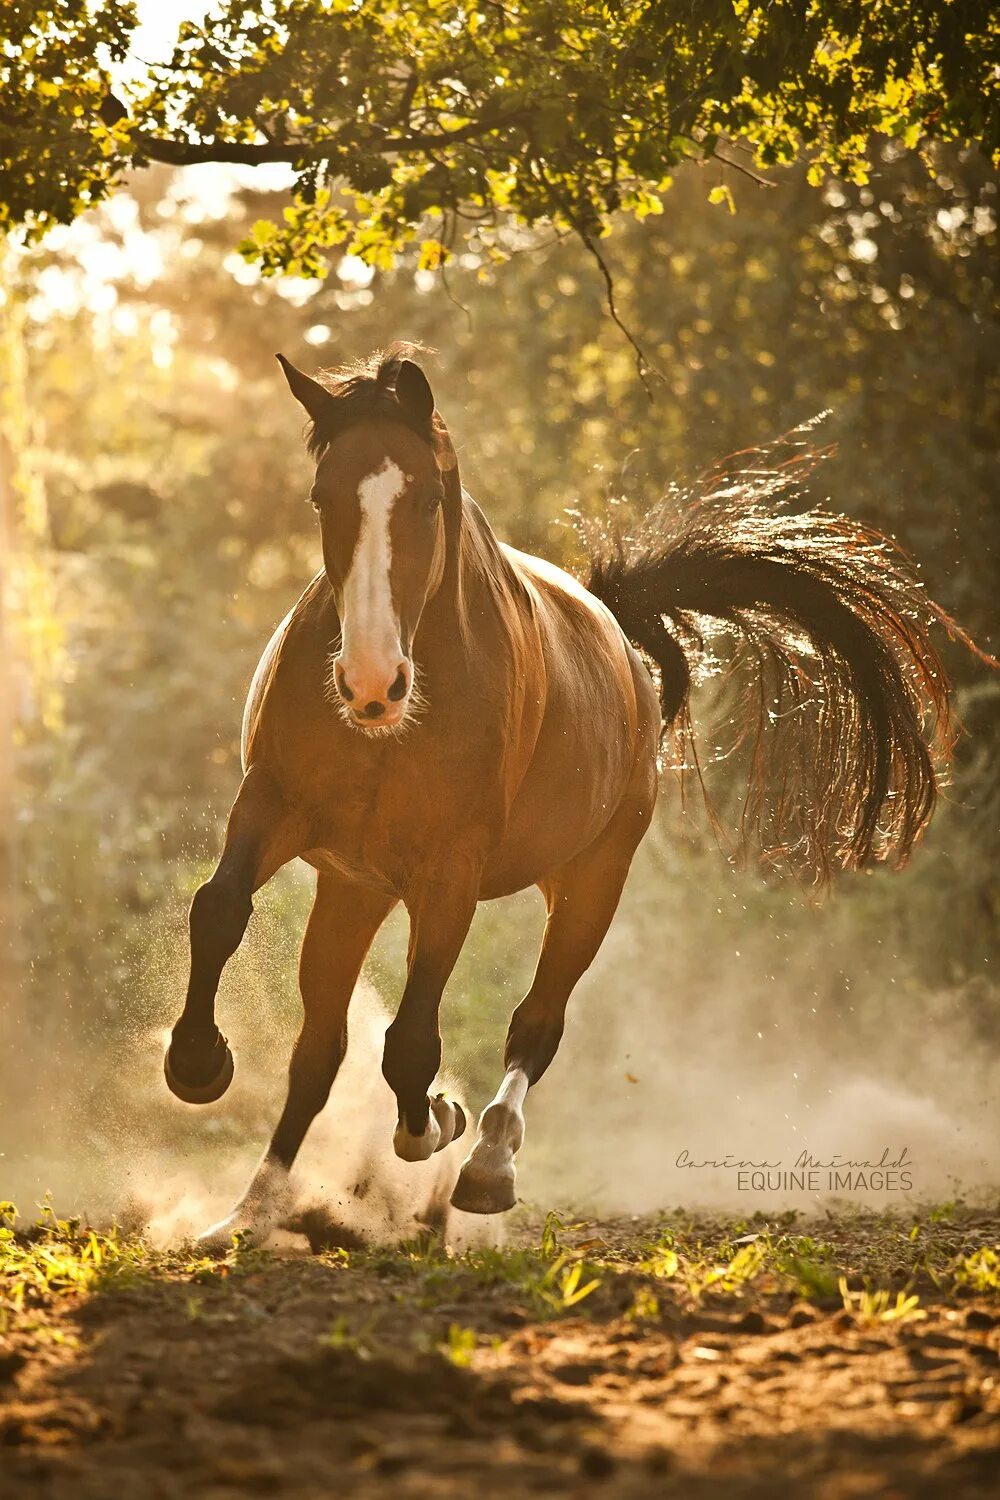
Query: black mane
point(364, 390)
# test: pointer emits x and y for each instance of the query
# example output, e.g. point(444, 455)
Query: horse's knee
point(219, 915)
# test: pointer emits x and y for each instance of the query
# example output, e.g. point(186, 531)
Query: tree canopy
point(469, 118)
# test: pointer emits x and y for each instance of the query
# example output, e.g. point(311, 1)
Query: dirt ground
point(676, 1358)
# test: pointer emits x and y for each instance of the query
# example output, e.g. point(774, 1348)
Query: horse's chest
point(381, 833)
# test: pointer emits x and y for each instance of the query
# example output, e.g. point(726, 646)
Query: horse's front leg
point(264, 833)
point(343, 922)
point(441, 910)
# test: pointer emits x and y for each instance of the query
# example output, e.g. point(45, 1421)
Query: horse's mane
point(364, 389)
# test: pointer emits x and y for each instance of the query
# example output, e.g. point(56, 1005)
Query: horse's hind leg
point(581, 899)
point(342, 924)
point(264, 833)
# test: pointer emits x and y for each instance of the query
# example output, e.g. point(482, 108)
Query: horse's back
point(564, 592)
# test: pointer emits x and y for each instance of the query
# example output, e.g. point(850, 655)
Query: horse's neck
point(484, 571)
point(483, 558)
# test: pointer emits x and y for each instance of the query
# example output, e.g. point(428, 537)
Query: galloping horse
point(442, 720)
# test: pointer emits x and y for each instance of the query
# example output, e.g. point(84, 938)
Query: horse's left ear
point(413, 392)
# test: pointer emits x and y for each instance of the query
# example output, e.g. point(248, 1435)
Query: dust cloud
point(717, 1074)
point(347, 1169)
point(120, 1147)
point(707, 1034)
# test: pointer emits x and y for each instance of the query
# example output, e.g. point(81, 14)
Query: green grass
point(52, 1258)
point(878, 1267)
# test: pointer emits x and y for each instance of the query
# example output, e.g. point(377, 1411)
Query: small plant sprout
point(561, 1283)
point(342, 1336)
point(645, 1306)
point(460, 1345)
point(551, 1229)
point(980, 1270)
point(878, 1306)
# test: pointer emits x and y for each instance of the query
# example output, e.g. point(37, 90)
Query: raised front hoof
point(442, 1107)
point(446, 1121)
point(195, 1087)
point(478, 1192)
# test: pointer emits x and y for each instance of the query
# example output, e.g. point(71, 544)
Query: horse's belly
point(544, 834)
point(571, 793)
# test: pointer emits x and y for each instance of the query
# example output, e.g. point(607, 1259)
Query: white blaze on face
point(370, 648)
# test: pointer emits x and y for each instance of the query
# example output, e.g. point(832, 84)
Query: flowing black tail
point(848, 725)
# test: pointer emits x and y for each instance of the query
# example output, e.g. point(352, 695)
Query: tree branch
point(643, 364)
point(181, 153)
point(743, 169)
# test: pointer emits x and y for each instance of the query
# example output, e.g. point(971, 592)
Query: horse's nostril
point(398, 689)
point(345, 691)
point(373, 710)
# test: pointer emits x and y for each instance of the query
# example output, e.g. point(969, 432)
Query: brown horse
point(442, 720)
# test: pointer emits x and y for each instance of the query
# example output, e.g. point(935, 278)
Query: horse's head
point(384, 488)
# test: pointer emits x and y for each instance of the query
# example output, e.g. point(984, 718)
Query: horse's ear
point(413, 392)
point(308, 392)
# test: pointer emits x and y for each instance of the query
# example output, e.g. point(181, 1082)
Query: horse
point(442, 720)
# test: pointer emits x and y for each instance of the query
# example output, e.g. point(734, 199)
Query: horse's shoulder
point(303, 621)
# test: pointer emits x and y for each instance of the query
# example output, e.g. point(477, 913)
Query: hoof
point(203, 1091)
point(478, 1192)
point(265, 1204)
point(445, 1123)
point(448, 1112)
point(218, 1240)
point(222, 1237)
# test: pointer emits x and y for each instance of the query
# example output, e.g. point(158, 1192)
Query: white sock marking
point(501, 1127)
point(263, 1204)
point(514, 1089)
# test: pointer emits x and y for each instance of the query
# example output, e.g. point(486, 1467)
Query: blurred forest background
point(159, 530)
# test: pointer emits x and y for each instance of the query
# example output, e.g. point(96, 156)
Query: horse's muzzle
point(374, 699)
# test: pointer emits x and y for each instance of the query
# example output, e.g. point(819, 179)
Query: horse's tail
point(849, 726)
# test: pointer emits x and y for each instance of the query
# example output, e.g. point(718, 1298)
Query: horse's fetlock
point(501, 1124)
point(414, 1115)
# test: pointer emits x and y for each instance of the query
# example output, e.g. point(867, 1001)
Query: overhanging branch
point(183, 153)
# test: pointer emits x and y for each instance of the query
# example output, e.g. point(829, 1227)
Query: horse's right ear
point(308, 392)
